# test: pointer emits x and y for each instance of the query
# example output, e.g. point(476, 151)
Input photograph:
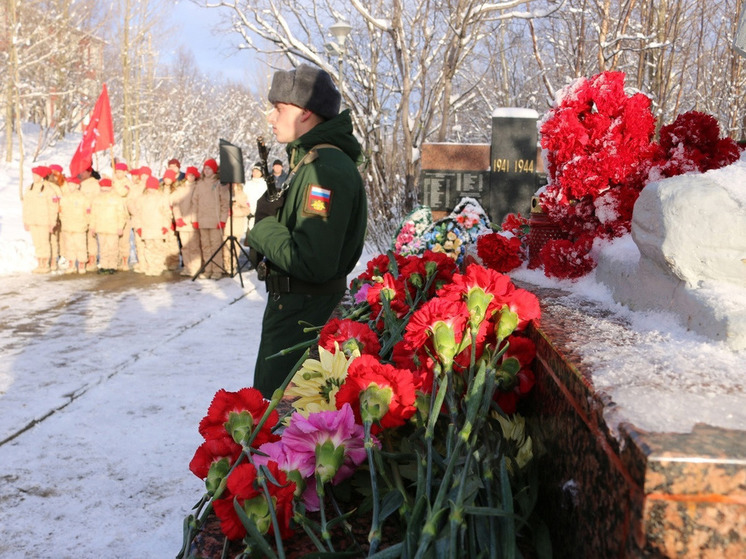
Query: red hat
point(193, 171)
point(152, 182)
point(56, 168)
point(121, 167)
point(174, 162)
point(145, 171)
point(76, 180)
point(43, 172)
point(105, 182)
point(170, 174)
point(212, 164)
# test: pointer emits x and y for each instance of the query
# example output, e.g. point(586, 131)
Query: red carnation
point(243, 485)
point(394, 291)
point(516, 224)
point(508, 401)
point(500, 252)
point(437, 328)
point(692, 143)
point(350, 336)
point(226, 403)
point(430, 264)
point(394, 388)
point(524, 350)
point(212, 451)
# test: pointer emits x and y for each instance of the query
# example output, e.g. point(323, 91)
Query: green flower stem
point(345, 524)
point(473, 356)
point(325, 535)
point(474, 401)
point(303, 521)
point(430, 529)
point(374, 536)
point(457, 521)
point(435, 405)
point(261, 477)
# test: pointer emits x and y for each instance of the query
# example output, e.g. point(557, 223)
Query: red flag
point(98, 135)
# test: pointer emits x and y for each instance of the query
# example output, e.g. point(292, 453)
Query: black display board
point(513, 164)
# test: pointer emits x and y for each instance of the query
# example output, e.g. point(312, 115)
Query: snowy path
point(103, 381)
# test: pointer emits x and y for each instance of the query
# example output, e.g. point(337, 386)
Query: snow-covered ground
point(103, 380)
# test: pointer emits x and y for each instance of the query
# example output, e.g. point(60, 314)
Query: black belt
point(285, 284)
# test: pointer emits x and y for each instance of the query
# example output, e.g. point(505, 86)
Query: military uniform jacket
point(90, 188)
point(181, 205)
point(122, 186)
point(40, 205)
point(108, 213)
point(319, 232)
point(74, 212)
point(153, 213)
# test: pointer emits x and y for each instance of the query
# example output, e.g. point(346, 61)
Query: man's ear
point(305, 115)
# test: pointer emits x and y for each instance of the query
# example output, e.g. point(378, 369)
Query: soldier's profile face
point(285, 120)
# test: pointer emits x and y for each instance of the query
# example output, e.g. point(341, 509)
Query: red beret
point(43, 172)
point(152, 182)
point(170, 174)
point(212, 164)
point(193, 171)
point(145, 171)
point(174, 162)
point(121, 167)
point(105, 182)
point(56, 168)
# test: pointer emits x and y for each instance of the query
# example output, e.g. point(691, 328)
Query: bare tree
point(404, 74)
point(676, 51)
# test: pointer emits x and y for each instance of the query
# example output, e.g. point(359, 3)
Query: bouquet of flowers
point(598, 143)
point(405, 423)
point(504, 250)
point(692, 143)
point(450, 235)
point(600, 154)
point(409, 239)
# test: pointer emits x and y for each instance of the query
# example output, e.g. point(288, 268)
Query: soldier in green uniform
point(317, 236)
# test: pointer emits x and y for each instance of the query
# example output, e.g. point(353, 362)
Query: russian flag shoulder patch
point(318, 200)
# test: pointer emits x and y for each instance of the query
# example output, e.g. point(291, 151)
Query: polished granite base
point(616, 490)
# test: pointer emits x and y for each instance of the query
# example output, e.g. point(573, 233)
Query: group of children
point(88, 223)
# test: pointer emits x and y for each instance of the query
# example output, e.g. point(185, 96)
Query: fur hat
point(307, 87)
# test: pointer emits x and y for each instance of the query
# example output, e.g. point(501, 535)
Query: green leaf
point(390, 503)
point(509, 547)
